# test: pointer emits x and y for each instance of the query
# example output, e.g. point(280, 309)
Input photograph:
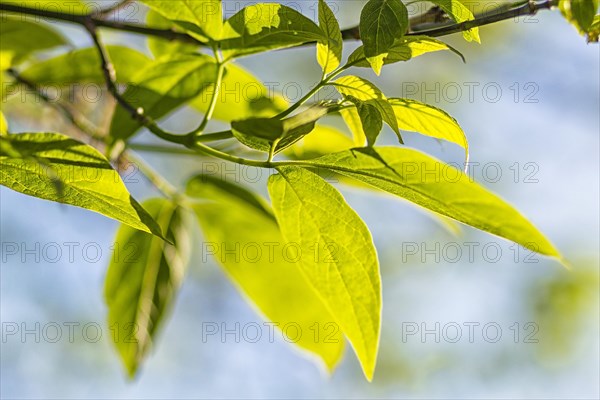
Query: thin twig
point(70, 114)
point(90, 131)
point(110, 78)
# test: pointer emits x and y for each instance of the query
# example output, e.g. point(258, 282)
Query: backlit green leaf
point(263, 269)
point(202, 19)
point(460, 13)
point(23, 37)
point(352, 120)
point(162, 87)
point(241, 96)
point(158, 46)
point(429, 120)
point(580, 13)
point(594, 31)
point(142, 280)
point(83, 66)
point(370, 119)
point(403, 49)
point(321, 141)
point(368, 93)
point(381, 23)
point(267, 26)
point(55, 167)
point(336, 254)
point(265, 133)
point(439, 187)
point(329, 52)
point(3, 125)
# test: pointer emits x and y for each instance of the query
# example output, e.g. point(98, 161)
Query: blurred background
point(464, 316)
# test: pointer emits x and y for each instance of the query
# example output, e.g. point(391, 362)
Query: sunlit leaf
point(381, 23)
point(142, 280)
point(580, 13)
point(83, 66)
point(439, 187)
point(267, 26)
point(594, 30)
point(368, 93)
point(3, 125)
point(329, 51)
point(370, 119)
point(429, 120)
point(158, 46)
point(162, 87)
point(403, 49)
point(460, 13)
point(241, 96)
point(336, 254)
point(23, 37)
point(202, 19)
point(263, 270)
point(266, 133)
point(55, 167)
point(352, 120)
point(321, 141)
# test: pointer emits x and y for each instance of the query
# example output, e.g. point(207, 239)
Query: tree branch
point(526, 9)
point(167, 34)
point(109, 76)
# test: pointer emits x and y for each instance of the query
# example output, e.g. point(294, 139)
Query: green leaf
point(352, 120)
point(267, 26)
point(242, 96)
point(163, 86)
point(3, 125)
point(439, 187)
point(158, 46)
point(403, 49)
point(381, 23)
point(460, 13)
point(430, 121)
point(22, 37)
point(594, 31)
point(60, 70)
point(264, 134)
point(329, 52)
point(370, 119)
point(55, 167)
point(143, 279)
point(321, 141)
point(263, 270)
point(580, 13)
point(345, 273)
point(368, 93)
point(202, 19)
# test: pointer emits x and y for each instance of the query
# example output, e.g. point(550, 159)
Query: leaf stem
point(153, 148)
point(214, 98)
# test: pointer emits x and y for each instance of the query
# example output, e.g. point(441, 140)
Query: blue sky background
point(556, 137)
